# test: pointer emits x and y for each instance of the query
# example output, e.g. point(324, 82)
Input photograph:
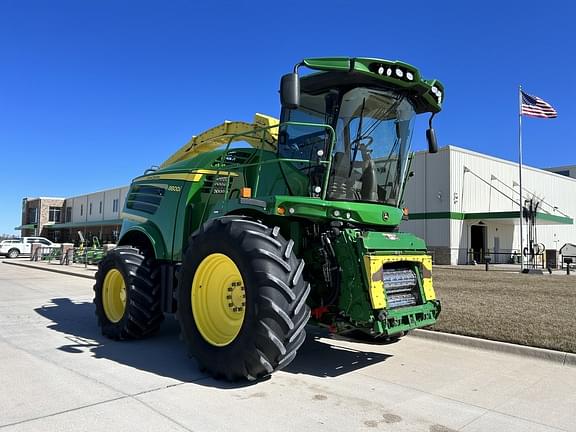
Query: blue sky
point(94, 92)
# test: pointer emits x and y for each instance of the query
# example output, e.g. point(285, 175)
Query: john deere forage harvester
point(245, 243)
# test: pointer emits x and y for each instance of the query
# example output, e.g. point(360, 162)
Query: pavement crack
point(63, 412)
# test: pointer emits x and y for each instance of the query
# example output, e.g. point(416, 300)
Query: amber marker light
point(281, 211)
point(246, 192)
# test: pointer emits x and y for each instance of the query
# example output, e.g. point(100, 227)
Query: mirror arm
point(297, 66)
point(430, 120)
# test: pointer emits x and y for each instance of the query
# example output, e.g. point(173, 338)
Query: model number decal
point(174, 188)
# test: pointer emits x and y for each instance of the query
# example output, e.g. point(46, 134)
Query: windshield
point(373, 131)
point(373, 134)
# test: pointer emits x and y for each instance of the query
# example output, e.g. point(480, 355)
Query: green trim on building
point(27, 226)
point(490, 215)
point(84, 224)
point(554, 218)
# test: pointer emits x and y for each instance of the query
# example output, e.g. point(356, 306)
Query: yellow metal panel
point(262, 133)
point(134, 218)
point(265, 121)
point(376, 286)
point(191, 177)
point(374, 264)
point(215, 172)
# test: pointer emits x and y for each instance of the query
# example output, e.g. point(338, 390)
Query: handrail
point(263, 130)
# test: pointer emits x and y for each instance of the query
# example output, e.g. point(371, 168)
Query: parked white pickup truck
point(23, 246)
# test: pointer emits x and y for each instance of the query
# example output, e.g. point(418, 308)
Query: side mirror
point(431, 138)
point(290, 91)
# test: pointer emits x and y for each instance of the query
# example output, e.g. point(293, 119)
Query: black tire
point(142, 314)
point(275, 299)
point(13, 253)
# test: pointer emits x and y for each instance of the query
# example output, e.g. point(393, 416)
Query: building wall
point(491, 185)
point(81, 205)
point(426, 196)
point(442, 191)
point(43, 210)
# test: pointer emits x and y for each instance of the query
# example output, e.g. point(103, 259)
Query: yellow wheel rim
point(218, 299)
point(114, 296)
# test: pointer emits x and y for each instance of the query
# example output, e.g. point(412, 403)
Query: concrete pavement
point(57, 373)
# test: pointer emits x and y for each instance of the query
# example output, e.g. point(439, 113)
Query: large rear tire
point(242, 299)
point(127, 294)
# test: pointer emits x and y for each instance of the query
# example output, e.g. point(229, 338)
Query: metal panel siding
point(94, 200)
point(496, 194)
point(440, 186)
point(429, 191)
point(415, 187)
point(107, 197)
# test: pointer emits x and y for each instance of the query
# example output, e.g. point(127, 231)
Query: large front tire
point(242, 299)
point(127, 294)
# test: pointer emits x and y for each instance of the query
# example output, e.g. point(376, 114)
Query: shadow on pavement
point(164, 354)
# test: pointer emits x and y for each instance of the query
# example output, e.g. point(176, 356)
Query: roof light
point(409, 76)
point(389, 72)
point(399, 73)
point(381, 70)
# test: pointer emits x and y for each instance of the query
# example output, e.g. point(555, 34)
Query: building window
point(115, 205)
point(68, 214)
point(32, 215)
point(100, 208)
point(90, 209)
point(54, 214)
point(81, 209)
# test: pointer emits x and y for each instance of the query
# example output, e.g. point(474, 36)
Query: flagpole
point(520, 173)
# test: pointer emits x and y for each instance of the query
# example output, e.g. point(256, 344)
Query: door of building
point(478, 242)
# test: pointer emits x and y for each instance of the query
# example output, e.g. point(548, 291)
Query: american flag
point(533, 106)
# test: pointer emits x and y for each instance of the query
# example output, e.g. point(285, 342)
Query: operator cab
point(373, 130)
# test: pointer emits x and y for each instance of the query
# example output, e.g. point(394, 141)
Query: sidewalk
point(76, 269)
point(558, 357)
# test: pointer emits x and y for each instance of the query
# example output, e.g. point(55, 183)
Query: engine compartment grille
point(401, 286)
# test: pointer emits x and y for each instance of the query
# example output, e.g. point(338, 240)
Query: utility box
point(551, 257)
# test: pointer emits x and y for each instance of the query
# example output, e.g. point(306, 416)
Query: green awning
point(27, 226)
point(505, 216)
point(84, 224)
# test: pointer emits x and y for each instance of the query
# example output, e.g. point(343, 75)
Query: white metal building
point(460, 200)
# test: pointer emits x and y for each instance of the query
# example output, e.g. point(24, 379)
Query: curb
point(53, 270)
point(559, 357)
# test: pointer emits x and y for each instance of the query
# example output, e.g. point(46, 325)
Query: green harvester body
point(330, 174)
